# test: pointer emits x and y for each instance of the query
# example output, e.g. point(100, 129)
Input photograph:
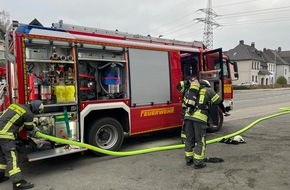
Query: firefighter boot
point(3, 177)
point(189, 161)
point(22, 185)
point(199, 166)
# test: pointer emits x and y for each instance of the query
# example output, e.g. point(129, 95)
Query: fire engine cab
point(99, 86)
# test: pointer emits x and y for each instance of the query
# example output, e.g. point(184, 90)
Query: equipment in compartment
point(55, 126)
point(36, 53)
point(51, 76)
point(46, 125)
point(110, 77)
point(33, 82)
point(87, 81)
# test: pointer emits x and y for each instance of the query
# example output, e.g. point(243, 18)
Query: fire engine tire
point(214, 128)
point(106, 133)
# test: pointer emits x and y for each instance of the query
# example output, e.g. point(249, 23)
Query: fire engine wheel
point(106, 133)
point(214, 128)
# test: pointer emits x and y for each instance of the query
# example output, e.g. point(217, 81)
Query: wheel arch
point(93, 112)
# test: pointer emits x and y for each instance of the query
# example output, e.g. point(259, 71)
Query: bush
point(282, 81)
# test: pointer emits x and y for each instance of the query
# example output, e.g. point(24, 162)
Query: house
point(252, 65)
point(285, 70)
point(274, 57)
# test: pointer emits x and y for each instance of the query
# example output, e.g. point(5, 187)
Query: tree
point(4, 19)
point(282, 80)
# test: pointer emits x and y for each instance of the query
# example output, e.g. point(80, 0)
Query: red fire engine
point(99, 86)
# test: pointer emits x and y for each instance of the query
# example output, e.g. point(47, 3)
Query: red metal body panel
point(20, 69)
point(154, 118)
point(175, 73)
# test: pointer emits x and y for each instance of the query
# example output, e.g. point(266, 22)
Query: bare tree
point(4, 18)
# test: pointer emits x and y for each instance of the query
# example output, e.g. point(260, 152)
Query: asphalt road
point(261, 163)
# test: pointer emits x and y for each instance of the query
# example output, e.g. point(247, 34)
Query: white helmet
point(205, 83)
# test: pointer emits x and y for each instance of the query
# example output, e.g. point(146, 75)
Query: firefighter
point(184, 87)
point(195, 119)
point(15, 118)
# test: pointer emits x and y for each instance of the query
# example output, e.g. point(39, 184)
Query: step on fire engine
point(99, 86)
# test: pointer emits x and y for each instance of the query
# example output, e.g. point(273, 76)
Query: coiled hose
point(154, 149)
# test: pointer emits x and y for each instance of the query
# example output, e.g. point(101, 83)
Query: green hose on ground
point(154, 149)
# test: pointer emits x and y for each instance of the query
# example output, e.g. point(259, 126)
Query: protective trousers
point(8, 158)
point(183, 135)
point(195, 139)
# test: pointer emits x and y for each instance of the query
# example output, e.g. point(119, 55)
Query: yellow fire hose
point(154, 149)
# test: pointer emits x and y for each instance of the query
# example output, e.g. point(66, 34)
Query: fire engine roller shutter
point(149, 77)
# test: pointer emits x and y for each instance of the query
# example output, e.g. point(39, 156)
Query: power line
point(199, 31)
point(238, 3)
point(257, 21)
point(241, 13)
point(188, 14)
point(163, 25)
point(177, 28)
point(160, 13)
point(264, 11)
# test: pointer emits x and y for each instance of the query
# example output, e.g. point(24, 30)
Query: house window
point(253, 77)
point(252, 64)
point(256, 79)
point(285, 71)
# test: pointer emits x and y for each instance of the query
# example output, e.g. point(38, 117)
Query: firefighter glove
point(33, 132)
point(189, 110)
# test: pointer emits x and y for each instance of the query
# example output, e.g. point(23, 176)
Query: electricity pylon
point(208, 24)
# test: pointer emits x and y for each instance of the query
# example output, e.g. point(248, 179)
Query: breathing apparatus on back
point(191, 98)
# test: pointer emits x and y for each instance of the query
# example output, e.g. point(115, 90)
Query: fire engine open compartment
point(102, 73)
point(50, 70)
point(49, 67)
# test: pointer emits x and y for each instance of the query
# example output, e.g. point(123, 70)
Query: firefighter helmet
point(205, 83)
point(36, 106)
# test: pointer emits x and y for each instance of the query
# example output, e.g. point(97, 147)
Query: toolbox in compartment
point(36, 53)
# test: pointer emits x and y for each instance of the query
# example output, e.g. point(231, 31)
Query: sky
point(263, 22)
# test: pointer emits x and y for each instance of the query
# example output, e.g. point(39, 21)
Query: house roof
point(285, 55)
point(35, 22)
point(264, 72)
point(245, 52)
point(274, 57)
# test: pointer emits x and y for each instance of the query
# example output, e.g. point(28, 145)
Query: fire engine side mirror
point(236, 73)
point(235, 65)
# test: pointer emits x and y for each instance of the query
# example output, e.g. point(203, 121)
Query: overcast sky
point(264, 22)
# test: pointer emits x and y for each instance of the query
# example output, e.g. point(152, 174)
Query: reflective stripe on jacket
point(206, 96)
point(13, 119)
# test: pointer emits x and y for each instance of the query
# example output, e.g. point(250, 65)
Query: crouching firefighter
point(195, 119)
point(14, 119)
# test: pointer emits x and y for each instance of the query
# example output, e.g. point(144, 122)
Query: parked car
point(248, 83)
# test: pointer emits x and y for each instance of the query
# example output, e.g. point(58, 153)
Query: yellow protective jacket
point(13, 119)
